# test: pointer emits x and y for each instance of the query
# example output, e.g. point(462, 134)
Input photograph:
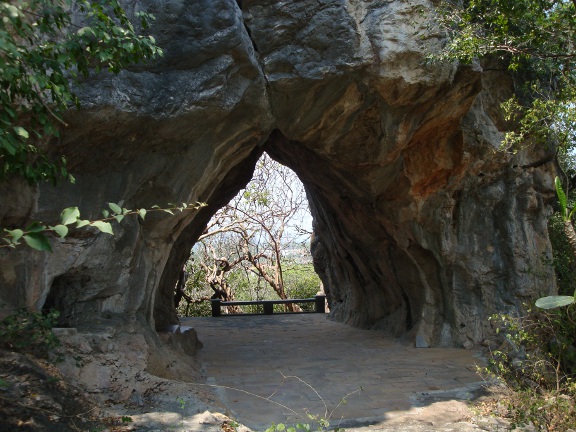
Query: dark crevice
point(246, 27)
point(546, 159)
point(409, 319)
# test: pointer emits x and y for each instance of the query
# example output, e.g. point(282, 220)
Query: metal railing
point(319, 301)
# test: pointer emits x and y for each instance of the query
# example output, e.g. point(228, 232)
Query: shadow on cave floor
point(263, 354)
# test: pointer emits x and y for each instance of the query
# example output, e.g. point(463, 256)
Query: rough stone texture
point(422, 227)
point(121, 363)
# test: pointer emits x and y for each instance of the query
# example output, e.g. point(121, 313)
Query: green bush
point(203, 308)
point(29, 332)
point(301, 281)
point(563, 261)
point(537, 361)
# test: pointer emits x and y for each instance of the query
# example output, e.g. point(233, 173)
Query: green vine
point(36, 235)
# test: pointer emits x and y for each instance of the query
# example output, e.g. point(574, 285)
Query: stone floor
point(273, 369)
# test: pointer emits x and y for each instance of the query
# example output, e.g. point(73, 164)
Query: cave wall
point(422, 226)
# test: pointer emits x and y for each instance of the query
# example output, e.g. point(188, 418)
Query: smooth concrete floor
point(274, 369)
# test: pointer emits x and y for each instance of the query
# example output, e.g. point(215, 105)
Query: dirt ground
point(119, 380)
point(34, 396)
point(39, 398)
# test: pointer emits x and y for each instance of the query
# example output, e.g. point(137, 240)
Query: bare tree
point(252, 233)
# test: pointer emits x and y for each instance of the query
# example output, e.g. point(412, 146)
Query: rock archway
point(422, 227)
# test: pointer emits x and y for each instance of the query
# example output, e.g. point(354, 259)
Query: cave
point(423, 228)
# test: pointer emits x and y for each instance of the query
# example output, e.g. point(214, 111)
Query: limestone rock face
point(423, 228)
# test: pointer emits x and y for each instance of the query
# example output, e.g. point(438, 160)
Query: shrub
point(537, 361)
point(29, 332)
point(301, 281)
point(564, 262)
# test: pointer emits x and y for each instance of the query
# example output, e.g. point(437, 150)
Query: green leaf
point(69, 215)
point(35, 227)
point(119, 217)
point(105, 213)
point(552, 302)
point(15, 234)
point(105, 227)
point(142, 213)
point(21, 132)
point(61, 230)
point(168, 211)
point(561, 197)
point(280, 427)
point(13, 11)
point(80, 223)
point(37, 241)
point(115, 208)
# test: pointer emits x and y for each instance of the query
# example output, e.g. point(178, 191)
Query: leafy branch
point(36, 234)
point(555, 301)
point(43, 52)
point(536, 40)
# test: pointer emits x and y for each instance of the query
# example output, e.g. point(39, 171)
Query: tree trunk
point(571, 235)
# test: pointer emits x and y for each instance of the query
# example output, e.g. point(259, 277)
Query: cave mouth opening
point(256, 247)
point(370, 280)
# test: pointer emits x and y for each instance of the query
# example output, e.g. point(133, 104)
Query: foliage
point(254, 241)
point(540, 29)
point(36, 234)
point(565, 211)
point(537, 361)
point(566, 215)
point(302, 282)
point(563, 261)
point(536, 38)
point(45, 46)
point(29, 332)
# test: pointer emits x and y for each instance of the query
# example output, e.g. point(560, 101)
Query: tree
point(537, 41)
point(45, 47)
point(248, 242)
point(551, 302)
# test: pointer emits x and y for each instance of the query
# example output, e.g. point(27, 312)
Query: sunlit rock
point(423, 227)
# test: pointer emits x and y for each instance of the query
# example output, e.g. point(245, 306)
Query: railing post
point(268, 308)
point(320, 303)
point(216, 307)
